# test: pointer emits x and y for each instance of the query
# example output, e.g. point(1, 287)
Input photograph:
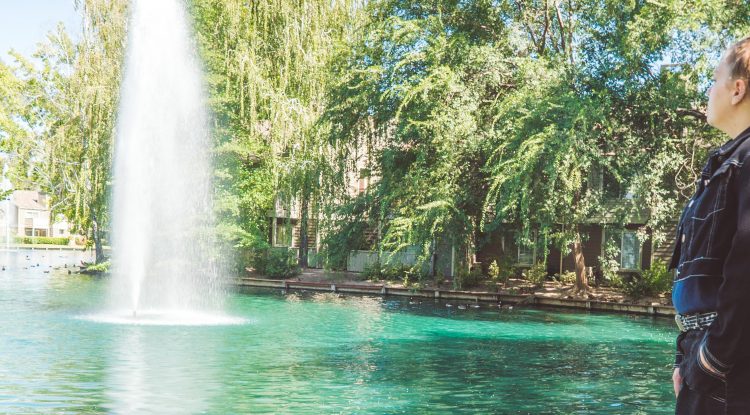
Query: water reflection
point(162, 370)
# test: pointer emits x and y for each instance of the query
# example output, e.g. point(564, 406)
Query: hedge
point(42, 240)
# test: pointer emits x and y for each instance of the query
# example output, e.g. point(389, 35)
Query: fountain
point(165, 265)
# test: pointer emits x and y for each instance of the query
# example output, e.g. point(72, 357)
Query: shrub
point(100, 267)
point(568, 277)
point(396, 272)
point(372, 271)
point(653, 281)
point(610, 265)
point(393, 272)
point(536, 274)
point(494, 271)
point(468, 279)
point(277, 262)
point(41, 240)
point(501, 271)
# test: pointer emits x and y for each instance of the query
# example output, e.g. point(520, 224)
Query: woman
point(711, 292)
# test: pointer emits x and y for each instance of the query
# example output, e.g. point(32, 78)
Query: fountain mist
point(163, 227)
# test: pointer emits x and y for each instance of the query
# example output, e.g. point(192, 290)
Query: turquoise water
point(319, 354)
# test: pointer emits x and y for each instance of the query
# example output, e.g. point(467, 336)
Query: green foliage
point(465, 280)
point(537, 274)
point(395, 272)
point(267, 73)
point(652, 282)
point(346, 224)
point(568, 277)
point(373, 272)
point(493, 271)
point(501, 272)
point(478, 115)
point(100, 267)
point(68, 113)
point(41, 240)
point(464, 117)
point(276, 262)
point(610, 264)
point(392, 272)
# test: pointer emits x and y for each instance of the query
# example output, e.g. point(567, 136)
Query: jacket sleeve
point(722, 342)
point(678, 352)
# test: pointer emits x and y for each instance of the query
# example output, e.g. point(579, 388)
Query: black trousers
point(705, 395)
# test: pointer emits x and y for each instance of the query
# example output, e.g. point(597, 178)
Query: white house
point(33, 214)
point(27, 213)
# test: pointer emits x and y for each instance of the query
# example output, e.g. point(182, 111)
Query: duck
point(475, 306)
point(449, 305)
point(462, 306)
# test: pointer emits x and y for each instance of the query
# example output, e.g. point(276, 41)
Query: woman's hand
point(676, 381)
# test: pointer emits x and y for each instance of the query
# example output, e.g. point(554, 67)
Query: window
point(283, 233)
point(32, 214)
point(364, 179)
point(28, 223)
point(595, 179)
point(61, 231)
point(28, 231)
point(627, 248)
point(630, 251)
point(610, 186)
point(527, 253)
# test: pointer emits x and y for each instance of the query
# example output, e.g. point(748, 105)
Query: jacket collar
point(732, 144)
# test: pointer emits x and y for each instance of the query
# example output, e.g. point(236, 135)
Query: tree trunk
point(98, 249)
point(433, 256)
point(303, 229)
point(582, 283)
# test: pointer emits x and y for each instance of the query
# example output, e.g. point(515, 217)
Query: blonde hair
point(738, 59)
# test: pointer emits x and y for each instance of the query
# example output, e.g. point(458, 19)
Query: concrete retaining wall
point(655, 310)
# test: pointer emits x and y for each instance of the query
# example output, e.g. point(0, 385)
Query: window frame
point(532, 248)
point(638, 254)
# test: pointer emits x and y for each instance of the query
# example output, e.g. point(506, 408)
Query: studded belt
point(698, 321)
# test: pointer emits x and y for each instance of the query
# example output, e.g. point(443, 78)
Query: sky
point(24, 23)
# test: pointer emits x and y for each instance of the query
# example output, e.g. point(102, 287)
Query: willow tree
point(495, 113)
point(267, 64)
point(416, 91)
point(69, 110)
point(13, 134)
point(610, 104)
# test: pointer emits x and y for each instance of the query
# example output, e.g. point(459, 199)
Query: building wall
point(60, 229)
point(592, 249)
point(10, 218)
point(37, 222)
point(502, 243)
point(665, 250)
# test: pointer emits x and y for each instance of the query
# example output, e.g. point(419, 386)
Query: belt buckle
point(678, 320)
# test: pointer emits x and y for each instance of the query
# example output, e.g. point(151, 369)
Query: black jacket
point(712, 258)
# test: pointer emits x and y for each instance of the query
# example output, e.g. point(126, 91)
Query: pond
point(318, 353)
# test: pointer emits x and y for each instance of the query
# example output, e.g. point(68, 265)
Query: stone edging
point(476, 296)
